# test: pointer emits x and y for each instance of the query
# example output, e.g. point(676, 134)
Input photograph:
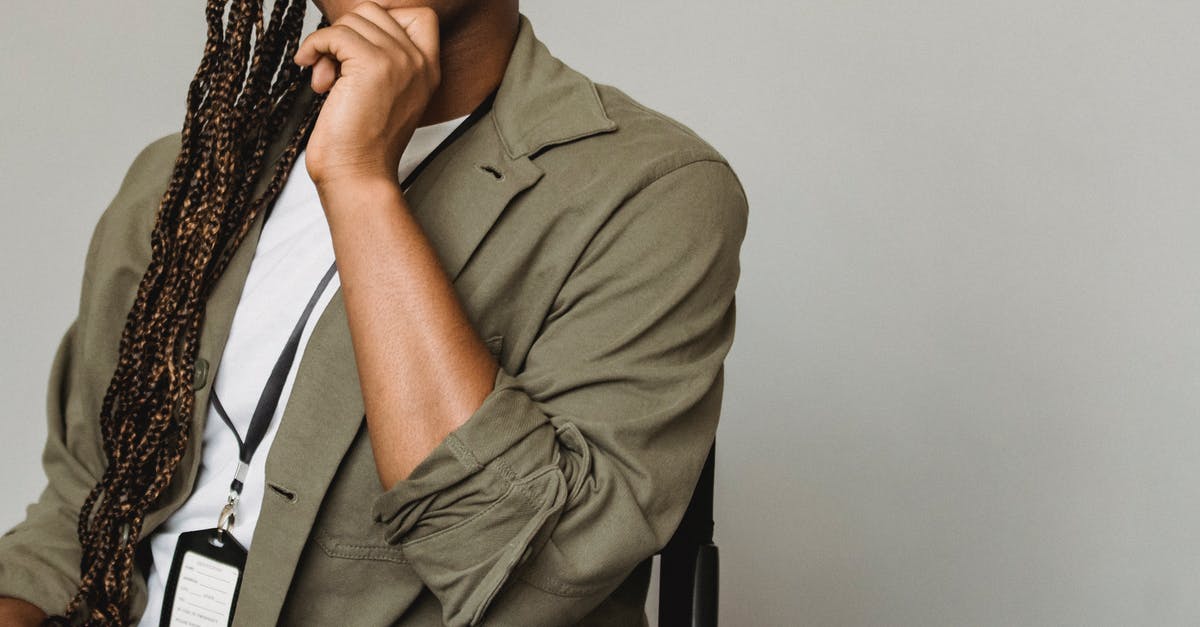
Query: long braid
point(236, 104)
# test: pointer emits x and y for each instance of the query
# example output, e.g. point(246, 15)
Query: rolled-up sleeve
point(40, 556)
point(580, 466)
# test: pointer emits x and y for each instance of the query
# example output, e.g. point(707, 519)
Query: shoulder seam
point(676, 168)
point(660, 115)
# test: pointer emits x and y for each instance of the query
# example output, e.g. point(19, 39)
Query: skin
point(397, 69)
point(391, 67)
point(476, 37)
point(18, 612)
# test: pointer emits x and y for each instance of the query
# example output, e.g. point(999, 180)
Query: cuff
point(467, 516)
point(20, 579)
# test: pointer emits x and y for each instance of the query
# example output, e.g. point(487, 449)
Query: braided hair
point(237, 103)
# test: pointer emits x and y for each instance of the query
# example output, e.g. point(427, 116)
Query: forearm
point(18, 612)
point(579, 464)
point(422, 367)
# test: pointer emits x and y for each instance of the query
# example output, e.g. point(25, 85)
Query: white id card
point(202, 587)
point(204, 595)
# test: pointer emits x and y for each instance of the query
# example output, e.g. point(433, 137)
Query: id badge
point(202, 587)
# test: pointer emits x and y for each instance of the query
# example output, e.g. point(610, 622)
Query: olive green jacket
point(594, 245)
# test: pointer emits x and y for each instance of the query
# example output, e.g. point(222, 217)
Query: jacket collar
point(540, 103)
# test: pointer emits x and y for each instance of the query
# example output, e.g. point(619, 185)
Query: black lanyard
point(269, 399)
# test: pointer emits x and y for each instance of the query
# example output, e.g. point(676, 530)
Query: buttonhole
point(497, 174)
point(284, 492)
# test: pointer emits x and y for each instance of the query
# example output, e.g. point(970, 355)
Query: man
point(417, 473)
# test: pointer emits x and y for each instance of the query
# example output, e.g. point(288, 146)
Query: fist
point(380, 68)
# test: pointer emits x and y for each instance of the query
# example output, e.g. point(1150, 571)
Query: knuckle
point(345, 20)
point(363, 8)
point(401, 71)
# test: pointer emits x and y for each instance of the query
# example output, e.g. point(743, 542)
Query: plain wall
point(965, 388)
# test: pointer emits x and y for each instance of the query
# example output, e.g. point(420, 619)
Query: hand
point(380, 67)
point(19, 612)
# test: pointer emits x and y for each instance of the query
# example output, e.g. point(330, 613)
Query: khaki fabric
point(594, 244)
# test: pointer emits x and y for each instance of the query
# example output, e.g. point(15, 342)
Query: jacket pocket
point(344, 527)
point(358, 538)
point(359, 549)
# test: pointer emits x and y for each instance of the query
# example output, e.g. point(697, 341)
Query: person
point(492, 410)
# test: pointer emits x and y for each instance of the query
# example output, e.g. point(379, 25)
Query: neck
point(474, 54)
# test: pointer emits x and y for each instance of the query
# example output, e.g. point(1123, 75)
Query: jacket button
point(200, 377)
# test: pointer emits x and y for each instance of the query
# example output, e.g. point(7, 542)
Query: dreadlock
point(237, 103)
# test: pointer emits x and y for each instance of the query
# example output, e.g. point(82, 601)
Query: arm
point(404, 316)
point(39, 557)
point(403, 313)
point(580, 466)
point(535, 494)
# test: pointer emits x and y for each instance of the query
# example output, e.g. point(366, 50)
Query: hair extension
point(236, 104)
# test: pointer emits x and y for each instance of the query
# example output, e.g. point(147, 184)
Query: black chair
point(688, 568)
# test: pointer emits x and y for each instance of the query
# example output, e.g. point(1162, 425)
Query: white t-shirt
point(294, 251)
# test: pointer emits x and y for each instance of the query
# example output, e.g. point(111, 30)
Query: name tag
point(203, 583)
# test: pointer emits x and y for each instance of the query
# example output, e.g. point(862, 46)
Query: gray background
point(964, 389)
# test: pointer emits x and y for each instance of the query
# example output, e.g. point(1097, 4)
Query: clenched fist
point(380, 67)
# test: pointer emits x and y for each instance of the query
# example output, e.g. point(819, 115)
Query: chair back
point(689, 567)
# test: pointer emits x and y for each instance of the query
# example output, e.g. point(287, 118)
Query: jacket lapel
point(456, 199)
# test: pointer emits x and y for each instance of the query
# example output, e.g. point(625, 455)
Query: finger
point(421, 26)
point(369, 30)
point(399, 35)
point(372, 11)
point(324, 74)
point(338, 40)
